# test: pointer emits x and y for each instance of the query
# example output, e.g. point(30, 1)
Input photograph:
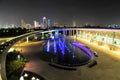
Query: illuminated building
point(45, 23)
point(0, 26)
point(74, 24)
point(106, 38)
point(23, 24)
point(6, 26)
point(49, 23)
point(28, 26)
point(113, 26)
point(36, 24)
point(56, 24)
point(12, 26)
point(44, 20)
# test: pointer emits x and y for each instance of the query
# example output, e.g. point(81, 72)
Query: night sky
point(96, 12)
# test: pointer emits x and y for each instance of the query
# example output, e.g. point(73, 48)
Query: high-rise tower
point(44, 23)
point(23, 24)
point(36, 24)
point(74, 24)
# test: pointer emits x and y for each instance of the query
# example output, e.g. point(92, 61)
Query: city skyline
point(62, 11)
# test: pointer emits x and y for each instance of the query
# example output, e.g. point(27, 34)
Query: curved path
point(105, 66)
point(4, 54)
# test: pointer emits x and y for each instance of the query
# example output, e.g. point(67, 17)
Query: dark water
point(61, 51)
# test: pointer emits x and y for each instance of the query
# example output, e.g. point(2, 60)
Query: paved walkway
point(0, 77)
point(108, 67)
point(0, 73)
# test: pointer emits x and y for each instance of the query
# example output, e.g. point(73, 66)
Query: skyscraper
point(23, 24)
point(12, 26)
point(74, 24)
point(36, 24)
point(44, 23)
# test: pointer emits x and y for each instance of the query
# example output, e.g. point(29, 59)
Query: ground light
point(18, 56)
point(21, 78)
point(33, 78)
point(26, 75)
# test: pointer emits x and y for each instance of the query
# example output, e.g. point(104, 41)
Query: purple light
point(55, 47)
point(81, 46)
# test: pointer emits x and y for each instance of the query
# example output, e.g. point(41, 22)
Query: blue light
point(52, 36)
point(67, 48)
point(73, 56)
point(61, 45)
point(56, 34)
point(48, 46)
point(73, 52)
